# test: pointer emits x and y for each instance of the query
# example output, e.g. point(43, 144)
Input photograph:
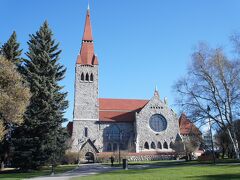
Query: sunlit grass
point(206, 172)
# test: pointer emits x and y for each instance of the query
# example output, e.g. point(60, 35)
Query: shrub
point(70, 158)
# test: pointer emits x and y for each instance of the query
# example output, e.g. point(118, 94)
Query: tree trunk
point(223, 152)
point(2, 165)
point(234, 142)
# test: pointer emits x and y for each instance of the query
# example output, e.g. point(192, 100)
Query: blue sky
point(139, 43)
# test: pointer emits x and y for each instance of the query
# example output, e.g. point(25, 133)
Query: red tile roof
point(87, 56)
point(121, 104)
point(119, 110)
point(187, 127)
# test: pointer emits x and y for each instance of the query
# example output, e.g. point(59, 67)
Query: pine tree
point(10, 50)
point(40, 140)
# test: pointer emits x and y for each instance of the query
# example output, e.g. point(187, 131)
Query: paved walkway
point(83, 170)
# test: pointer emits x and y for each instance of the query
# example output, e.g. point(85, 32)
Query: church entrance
point(89, 157)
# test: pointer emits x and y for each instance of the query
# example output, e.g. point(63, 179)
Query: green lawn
point(174, 163)
point(206, 172)
point(16, 175)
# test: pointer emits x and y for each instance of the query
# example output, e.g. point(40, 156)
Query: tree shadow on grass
point(16, 174)
point(217, 177)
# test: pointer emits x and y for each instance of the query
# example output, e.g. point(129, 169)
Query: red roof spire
point(87, 35)
point(87, 55)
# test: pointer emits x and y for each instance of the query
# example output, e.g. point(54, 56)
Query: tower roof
point(87, 55)
point(87, 35)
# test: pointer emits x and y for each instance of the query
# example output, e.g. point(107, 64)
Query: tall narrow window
point(86, 132)
point(165, 145)
point(115, 147)
point(159, 145)
point(82, 77)
point(146, 146)
point(87, 77)
point(153, 145)
point(109, 147)
point(91, 77)
point(171, 145)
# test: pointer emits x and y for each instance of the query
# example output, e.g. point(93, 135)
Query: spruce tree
point(10, 50)
point(40, 140)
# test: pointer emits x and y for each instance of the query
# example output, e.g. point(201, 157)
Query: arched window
point(87, 77)
point(171, 145)
point(109, 147)
point(153, 146)
point(159, 145)
point(82, 77)
point(165, 145)
point(146, 146)
point(91, 77)
point(115, 148)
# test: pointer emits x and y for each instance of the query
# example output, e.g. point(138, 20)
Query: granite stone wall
point(86, 105)
point(101, 134)
point(146, 134)
point(150, 157)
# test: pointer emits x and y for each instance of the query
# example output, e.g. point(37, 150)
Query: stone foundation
point(147, 156)
point(150, 157)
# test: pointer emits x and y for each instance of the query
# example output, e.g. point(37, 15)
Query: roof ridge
point(125, 99)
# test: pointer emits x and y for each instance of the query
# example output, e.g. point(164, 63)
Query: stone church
point(100, 125)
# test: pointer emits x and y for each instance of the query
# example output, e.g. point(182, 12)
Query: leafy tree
point(14, 98)
point(212, 80)
point(10, 50)
point(41, 139)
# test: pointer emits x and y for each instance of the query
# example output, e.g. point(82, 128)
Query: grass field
point(174, 163)
point(163, 170)
point(16, 175)
point(195, 172)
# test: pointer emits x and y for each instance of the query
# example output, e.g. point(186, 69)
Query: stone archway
point(89, 157)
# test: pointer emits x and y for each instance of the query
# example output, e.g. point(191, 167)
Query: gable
point(88, 146)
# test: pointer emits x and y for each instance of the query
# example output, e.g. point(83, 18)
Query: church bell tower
point(86, 106)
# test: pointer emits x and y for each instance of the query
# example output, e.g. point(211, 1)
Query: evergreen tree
point(10, 50)
point(41, 139)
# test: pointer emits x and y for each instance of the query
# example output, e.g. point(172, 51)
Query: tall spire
point(88, 7)
point(87, 55)
point(87, 35)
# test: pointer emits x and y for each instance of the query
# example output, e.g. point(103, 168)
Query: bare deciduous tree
point(212, 80)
